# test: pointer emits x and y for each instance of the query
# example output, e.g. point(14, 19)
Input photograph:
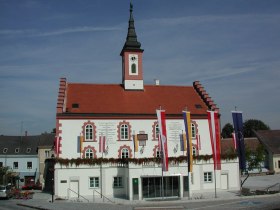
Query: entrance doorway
point(152, 187)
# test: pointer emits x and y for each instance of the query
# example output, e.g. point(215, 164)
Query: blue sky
point(231, 46)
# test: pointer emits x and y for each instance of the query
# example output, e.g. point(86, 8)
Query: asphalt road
point(270, 202)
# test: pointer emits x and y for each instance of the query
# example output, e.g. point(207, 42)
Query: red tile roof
point(102, 98)
point(250, 143)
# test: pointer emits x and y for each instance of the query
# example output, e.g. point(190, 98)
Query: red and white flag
point(198, 142)
point(214, 128)
point(57, 145)
point(234, 140)
point(163, 138)
point(102, 143)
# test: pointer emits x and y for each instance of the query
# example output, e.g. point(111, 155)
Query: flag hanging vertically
point(57, 145)
point(183, 142)
point(80, 141)
point(135, 143)
point(214, 129)
point(238, 129)
point(102, 142)
point(187, 122)
point(163, 138)
point(234, 140)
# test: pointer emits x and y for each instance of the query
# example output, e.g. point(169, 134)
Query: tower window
point(133, 68)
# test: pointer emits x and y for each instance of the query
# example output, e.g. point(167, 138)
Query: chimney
point(156, 81)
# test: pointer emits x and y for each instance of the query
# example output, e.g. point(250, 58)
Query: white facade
point(73, 180)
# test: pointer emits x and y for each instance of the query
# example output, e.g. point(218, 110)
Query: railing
point(103, 196)
point(77, 194)
point(267, 189)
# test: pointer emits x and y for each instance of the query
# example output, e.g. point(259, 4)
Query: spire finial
point(131, 6)
point(131, 39)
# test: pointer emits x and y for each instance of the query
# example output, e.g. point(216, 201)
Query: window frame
point(193, 128)
point(15, 165)
point(89, 153)
point(95, 182)
point(124, 153)
point(118, 182)
point(124, 132)
point(88, 132)
point(29, 165)
point(208, 177)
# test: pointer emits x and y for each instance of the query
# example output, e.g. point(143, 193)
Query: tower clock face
point(133, 58)
point(133, 64)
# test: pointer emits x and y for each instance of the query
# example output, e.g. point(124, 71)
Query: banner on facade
point(57, 145)
point(238, 130)
point(187, 122)
point(135, 143)
point(102, 143)
point(214, 129)
point(80, 140)
point(163, 138)
point(183, 142)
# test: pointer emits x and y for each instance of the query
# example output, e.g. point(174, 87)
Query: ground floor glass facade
point(152, 186)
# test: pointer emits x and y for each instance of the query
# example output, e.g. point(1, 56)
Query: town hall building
point(107, 137)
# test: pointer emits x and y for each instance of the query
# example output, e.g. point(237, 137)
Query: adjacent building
point(20, 154)
point(270, 139)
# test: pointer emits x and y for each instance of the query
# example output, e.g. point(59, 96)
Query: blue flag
point(238, 129)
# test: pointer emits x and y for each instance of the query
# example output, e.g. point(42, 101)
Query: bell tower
point(132, 72)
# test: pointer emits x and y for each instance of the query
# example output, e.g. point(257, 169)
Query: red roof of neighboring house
point(113, 99)
point(250, 143)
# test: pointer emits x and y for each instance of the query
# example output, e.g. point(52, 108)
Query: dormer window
point(75, 105)
point(28, 150)
point(17, 150)
point(5, 150)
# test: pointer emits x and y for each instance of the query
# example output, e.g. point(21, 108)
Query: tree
point(252, 124)
point(255, 158)
point(227, 130)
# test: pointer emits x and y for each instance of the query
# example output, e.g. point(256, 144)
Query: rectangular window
point(207, 176)
point(47, 153)
point(29, 165)
point(1, 164)
point(278, 163)
point(193, 130)
point(118, 182)
point(93, 182)
point(15, 165)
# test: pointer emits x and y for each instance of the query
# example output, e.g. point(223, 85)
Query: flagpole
point(101, 146)
point(134, 143)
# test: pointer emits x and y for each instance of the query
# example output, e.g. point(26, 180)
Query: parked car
point(5, 191)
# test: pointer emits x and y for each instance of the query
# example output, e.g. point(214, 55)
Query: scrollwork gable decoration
point(93, 151)
point(89, 131)
point(125, 147)
point(124, 131)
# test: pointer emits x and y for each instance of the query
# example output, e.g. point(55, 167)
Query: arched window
point(89, 153)
point(124, 132)
point(133, 68)
point(124, 153)
point(89, 133)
